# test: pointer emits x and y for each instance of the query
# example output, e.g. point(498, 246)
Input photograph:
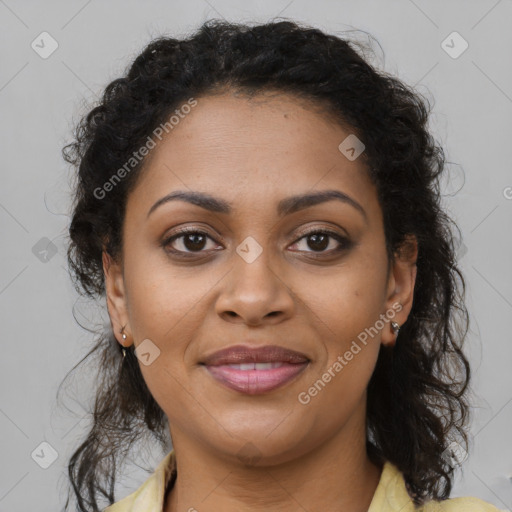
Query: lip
point(240, 354)
point(236, 367)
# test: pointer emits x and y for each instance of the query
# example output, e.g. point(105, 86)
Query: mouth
point(255, 370)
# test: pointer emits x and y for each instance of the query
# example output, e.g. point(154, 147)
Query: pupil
point(196, 245)
point(323, 244)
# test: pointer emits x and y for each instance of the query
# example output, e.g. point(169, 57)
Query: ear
point(400, 292)
point(116, 298)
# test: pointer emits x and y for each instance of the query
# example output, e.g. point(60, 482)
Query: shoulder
point(466, 504)
point(391, 495)
point(124, 505)
point(149, 497)
point(127, 504)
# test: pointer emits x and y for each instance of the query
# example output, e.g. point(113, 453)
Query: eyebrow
point(286, 206)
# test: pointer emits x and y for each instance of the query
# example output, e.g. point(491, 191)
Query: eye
point(191, 240)
point(320, 240)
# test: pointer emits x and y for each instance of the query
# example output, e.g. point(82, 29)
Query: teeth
point(267, 366)
point(255, 366)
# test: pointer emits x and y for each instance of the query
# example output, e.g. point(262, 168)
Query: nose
point(254, 294)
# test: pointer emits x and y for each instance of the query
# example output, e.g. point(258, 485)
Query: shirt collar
point(391, 493)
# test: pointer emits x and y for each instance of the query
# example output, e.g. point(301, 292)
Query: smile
point(256, 378)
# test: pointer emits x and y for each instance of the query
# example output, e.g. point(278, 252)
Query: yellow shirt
point(390, 495)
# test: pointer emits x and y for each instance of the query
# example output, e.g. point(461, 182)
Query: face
point(309, 276)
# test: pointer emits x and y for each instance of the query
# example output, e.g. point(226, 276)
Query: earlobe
point(116, 297)
point(401, 287)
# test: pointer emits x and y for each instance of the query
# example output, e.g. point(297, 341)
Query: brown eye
point(187, 241)
point(320, 240)
point(194, 241)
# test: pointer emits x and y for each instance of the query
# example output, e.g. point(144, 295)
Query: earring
point(123, 335)
point(396, 328)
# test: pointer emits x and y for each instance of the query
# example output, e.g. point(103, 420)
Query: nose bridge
point(252, 271)
point(254, 290)
point(252, 266)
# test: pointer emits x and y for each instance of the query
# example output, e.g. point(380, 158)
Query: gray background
point(40, 99)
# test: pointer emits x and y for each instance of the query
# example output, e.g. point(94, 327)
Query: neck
point(337, 475)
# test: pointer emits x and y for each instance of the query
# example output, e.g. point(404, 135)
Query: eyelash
point(344, 242)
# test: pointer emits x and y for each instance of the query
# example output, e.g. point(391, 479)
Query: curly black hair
point(416, 404)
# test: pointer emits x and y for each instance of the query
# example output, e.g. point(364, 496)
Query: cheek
point(348, 299)
point(161, 298)
point(166, 304)
point(338, 387)
point(346, 308)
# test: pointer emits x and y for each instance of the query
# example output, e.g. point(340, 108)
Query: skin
point(252, 153)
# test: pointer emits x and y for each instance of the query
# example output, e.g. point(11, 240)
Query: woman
point(260, 207)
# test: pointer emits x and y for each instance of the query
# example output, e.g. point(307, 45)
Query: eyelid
point(192, 229)
point(301, 234)
point(323, 229)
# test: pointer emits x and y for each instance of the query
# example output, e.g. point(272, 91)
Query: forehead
point(252, 151)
